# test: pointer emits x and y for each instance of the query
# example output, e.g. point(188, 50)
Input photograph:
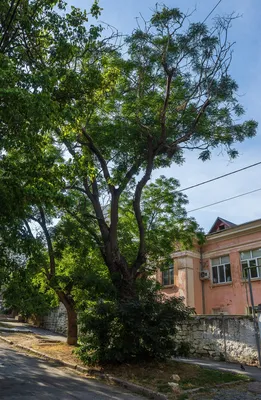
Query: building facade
point(213, 278)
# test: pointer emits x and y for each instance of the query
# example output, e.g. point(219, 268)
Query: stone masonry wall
point(56, 320)
point(226, 337)
point(230, 338)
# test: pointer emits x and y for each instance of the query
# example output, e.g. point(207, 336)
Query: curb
point(132, 387)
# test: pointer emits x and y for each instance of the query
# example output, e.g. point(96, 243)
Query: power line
point(219, 177)
point(222, 201)
point(213, 9)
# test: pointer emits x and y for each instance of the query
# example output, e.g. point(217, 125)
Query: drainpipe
point(202, 282)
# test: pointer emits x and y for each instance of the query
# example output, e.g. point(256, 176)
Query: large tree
point(170, 91)
point(120, 111)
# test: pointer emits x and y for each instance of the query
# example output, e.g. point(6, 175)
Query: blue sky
point(245, 69)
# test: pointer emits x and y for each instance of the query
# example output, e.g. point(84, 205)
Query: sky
point(245, 69)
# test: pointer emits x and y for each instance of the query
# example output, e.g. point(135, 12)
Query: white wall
point(220, 337)
point(56, 320)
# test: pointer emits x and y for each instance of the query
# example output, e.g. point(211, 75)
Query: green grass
point(209, 377)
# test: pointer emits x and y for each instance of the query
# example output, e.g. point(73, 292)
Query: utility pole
point(256, 326)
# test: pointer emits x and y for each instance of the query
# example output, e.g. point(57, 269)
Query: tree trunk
point(124, 284)
point(72, 332)
point(72, 327)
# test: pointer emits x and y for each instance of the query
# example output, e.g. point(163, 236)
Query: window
point(221, 271)
point(251, 262)
point(168, 276)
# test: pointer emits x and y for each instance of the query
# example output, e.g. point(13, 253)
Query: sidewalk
point(15, 326)
point(252, 372)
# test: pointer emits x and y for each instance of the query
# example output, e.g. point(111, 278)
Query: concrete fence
point(227, 337)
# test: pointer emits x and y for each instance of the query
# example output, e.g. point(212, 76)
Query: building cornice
point(186, 253)
point(251, 245)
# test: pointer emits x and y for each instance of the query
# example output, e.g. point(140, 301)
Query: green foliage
point(165, 219)
point(138, 329)
point(23, 293)
point(79, 266)
point(83, 124)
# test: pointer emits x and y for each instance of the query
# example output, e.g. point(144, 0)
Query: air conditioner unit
point(204, 274)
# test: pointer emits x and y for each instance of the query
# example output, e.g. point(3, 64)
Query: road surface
point(25, 377)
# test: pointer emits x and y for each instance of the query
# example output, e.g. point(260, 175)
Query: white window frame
point(221, 264)
point(247, 261)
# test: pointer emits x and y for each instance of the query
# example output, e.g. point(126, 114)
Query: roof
point(221, 221)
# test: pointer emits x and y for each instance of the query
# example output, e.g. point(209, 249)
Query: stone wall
point(226, 337)
point(230, 338)
point(56, 320)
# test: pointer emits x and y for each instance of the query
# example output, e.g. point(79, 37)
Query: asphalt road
point(25, 377)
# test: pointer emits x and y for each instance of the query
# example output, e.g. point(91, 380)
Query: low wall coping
point(222, 316)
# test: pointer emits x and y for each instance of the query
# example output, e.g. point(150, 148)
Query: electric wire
point(223, 201)
point(219, 177)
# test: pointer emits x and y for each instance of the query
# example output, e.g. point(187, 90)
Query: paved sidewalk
point(252, 372)
point(15, 326)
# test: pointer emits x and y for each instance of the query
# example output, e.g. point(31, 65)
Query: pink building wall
point(230, 297)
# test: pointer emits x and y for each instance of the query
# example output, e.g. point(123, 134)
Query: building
point(213, 278)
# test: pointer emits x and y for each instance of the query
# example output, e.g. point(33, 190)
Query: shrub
point(134, 330)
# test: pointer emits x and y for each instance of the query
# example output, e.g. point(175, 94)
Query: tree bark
point(123, 281)
point(72, 331)
point(72, 327)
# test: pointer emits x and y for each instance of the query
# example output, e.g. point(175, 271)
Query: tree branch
point(187, 136)
point(94, 197)
point(129, 174)
point(42, 223)
point(28, 229)
point(141, 256)
point(165, 105)
point(87, 227)
point(100, 157)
